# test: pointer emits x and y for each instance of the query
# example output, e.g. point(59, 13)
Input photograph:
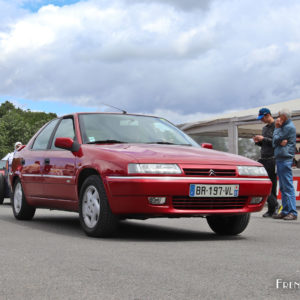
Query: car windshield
point(113, 128)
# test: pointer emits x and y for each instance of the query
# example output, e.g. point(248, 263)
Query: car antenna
point(123, 111)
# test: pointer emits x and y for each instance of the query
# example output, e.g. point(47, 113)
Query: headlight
point(153, 169)
point(252, 171)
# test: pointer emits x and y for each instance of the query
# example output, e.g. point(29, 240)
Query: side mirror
point(207, 145)
point(67, 144)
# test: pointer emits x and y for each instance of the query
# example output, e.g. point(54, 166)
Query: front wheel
point(21, 209)
point(96, 217)
point(228, 225)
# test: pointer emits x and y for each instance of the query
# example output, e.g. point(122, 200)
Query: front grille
point(210, 172)
point(184, 202)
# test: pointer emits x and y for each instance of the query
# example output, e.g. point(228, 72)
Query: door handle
point(47, 161)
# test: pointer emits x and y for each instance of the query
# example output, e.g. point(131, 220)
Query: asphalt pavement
point(51, 258)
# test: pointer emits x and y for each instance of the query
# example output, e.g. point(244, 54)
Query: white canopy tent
point(240, 124)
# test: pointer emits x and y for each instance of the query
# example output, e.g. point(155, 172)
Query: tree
point(19, 125)
point(5, 108)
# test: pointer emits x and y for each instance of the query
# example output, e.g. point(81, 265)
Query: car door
point(60, 166)
point(33, 160)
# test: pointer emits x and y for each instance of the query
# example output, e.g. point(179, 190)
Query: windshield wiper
point(168, 143)
point(162, 143)
point(106, 142)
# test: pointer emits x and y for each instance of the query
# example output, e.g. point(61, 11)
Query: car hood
point(153, 153)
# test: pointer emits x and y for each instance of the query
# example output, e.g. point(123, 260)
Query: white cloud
point(26, 36)
point(186, 59)
point(260, 57)
point(186, 5)
point(293, 47)
point(160, 26)
point(178, 118)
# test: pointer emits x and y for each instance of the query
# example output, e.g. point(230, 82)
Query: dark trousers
point(269, 164)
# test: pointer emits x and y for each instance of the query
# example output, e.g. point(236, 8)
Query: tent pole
point(233, 138)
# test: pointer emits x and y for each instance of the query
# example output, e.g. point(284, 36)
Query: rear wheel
point(2, 188)
point(21, 209)
point(95, 214)
point(228, 225)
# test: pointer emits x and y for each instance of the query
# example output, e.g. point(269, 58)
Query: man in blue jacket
point(284, 143)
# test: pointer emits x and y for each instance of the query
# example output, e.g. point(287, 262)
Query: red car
point(112, 166)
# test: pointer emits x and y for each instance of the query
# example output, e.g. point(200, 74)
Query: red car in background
point(112, 166)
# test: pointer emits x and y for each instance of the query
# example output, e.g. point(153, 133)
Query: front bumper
point(128, 195)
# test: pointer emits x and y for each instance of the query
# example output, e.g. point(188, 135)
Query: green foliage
point(19, 125)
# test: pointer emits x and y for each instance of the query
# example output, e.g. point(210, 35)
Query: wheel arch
point(16, 177)
point(85, 173)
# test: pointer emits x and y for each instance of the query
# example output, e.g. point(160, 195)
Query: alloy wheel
point(91, 207)
point(18, 195)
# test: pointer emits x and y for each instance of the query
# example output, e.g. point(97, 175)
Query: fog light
point(157, 200)
point(256, 200)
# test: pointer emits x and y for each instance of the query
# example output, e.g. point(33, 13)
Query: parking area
point(51, 258)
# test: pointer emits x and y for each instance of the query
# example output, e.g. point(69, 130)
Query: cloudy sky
point(181, 59)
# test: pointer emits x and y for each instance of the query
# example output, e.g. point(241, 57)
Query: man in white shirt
point(10, 156)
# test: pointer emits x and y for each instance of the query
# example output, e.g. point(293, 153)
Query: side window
point(65, 129)
point(42, 140)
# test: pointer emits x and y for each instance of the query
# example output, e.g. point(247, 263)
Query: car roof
point(107, 113)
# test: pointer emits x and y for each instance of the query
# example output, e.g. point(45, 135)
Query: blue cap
point(262, 112)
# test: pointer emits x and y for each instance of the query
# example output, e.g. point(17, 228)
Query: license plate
point(214, 190)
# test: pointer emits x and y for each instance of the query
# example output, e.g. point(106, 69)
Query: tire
point(96, 217)
point(21, 209)
point(2, 188)
point(228, 225)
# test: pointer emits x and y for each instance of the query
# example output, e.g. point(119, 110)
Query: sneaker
point(279, 216)
point(290, 217)
point(267, 215)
